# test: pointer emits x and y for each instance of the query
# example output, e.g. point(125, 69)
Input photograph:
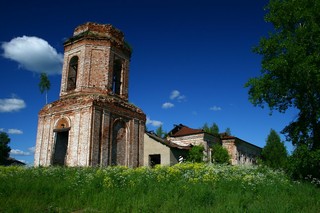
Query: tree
point(206, 128)
point(44, 85)
point(291, 68)
point(213, 129)
point(304, 164)
point(160, 132)
point(4, 147)
point(195, 154)
point(274, 154)
point(228, 131)
point(220, 154)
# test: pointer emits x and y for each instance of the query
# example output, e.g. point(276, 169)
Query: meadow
point(184, 188)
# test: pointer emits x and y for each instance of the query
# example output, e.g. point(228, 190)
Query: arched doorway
point(61, 142)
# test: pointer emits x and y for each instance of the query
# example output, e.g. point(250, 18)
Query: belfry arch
point(72, 73)
point(117, 77)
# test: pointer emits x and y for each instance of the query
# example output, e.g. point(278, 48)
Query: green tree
point(220, 154)
point(4, 147)
point(213, 129)
point(160, 132)
point(304, 163)
point(274, 154)
point(195, 154)
point(291, 68)
point(228, 131)
point(206, 128)
point(44, 85)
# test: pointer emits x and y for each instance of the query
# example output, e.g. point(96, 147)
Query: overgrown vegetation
point(184, 187)
point(304, 164)
point(195, 154)
point(220, 154)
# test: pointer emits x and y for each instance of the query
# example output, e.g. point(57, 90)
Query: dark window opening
point(72, 73)
point(154, 160)
point(116, 78)
point(60, 149)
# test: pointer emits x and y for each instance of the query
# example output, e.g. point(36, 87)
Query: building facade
point(159, 151)
point(185, 136)
point(92, 123)
point(240, 151)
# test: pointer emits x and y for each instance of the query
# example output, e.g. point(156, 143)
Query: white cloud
point(18, 152)
point(15, 131)
point(176, 95)
point(167, 105)
point(32, 149)
point(181, 98)
point(33, 54)
point(215, 108)
point(11, 104)
point(154, 122)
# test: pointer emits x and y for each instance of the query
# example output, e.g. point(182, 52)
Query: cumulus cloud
point(167, 105)
point(17, 152)
point(176, 95)
point(11, 104)
point(215, 108)
point(33, 54)
point(15, 131)
point(32, 149)
point(153, 122)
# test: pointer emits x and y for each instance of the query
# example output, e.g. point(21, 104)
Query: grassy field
point(181, 188)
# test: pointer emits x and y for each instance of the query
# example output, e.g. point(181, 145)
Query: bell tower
point(92, 123)
point(96, 60)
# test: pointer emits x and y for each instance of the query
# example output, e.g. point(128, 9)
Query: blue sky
point(190, 62)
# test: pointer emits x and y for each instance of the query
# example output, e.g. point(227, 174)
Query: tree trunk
point(46, 97)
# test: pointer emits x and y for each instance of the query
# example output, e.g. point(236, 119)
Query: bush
point(304, 163)
point(195, 154)
point(220, 154)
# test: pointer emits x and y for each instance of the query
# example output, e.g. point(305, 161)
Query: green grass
point(181, 188)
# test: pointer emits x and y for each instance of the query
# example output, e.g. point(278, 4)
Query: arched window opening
point(72, 74)
point(117, 76)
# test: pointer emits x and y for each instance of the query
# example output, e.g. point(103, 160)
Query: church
point(92, 123)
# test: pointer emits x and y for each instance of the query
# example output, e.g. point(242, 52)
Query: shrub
point(220, 154)
point(195, 154)
point(304, 163)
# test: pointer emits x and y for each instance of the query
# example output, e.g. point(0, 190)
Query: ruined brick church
point(92, 123)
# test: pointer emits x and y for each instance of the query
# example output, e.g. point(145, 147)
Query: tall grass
point(181, 188)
